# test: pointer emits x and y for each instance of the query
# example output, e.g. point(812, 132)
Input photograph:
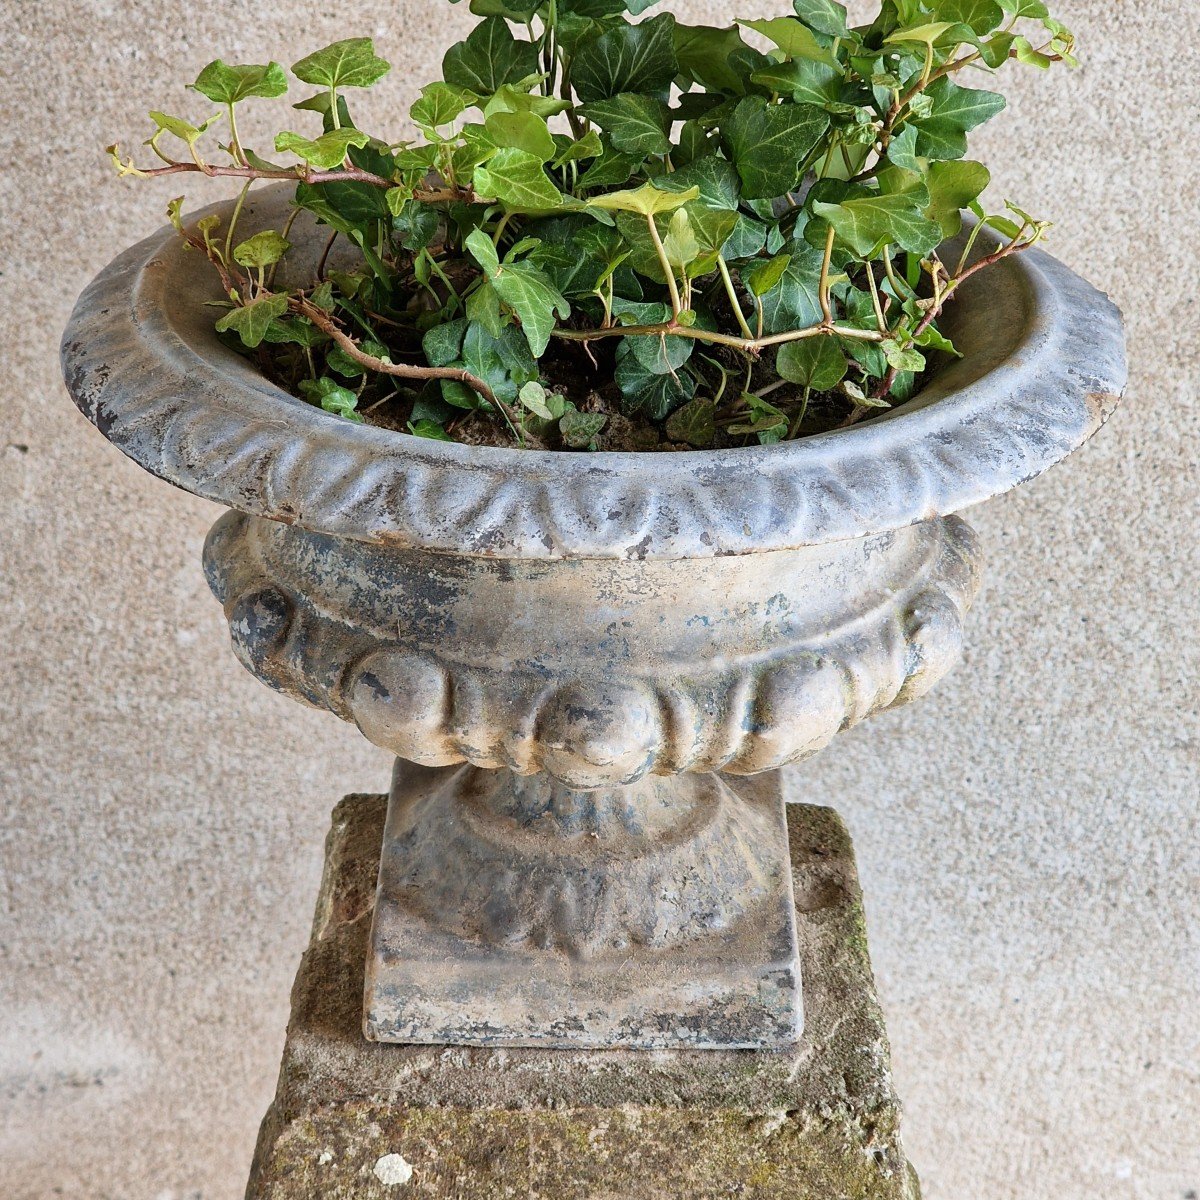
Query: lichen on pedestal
point(354, 1120)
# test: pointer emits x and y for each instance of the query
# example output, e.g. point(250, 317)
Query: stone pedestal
point(354, 1120)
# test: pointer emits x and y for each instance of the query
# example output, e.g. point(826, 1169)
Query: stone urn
point(582, 661)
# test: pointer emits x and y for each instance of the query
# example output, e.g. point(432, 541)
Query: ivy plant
point(617, 230)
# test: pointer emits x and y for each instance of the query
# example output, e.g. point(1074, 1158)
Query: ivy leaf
point(525, 289)
point(766, 421)
point(535, 300)
point(180, 128)
point(644, 391)
point(508, 98)
point(955, 110)
point(579, 429)
point(931, 338)
point(902, 150)
point(490, 58)
point(716, 178)
point(350, 63)
point(717, 59)
point(327, 152)
point(588, 146)
point(694, 423)
point(647, 200)
point(611, 168)
point(522, 131)
point(661, 355)
point(440, 104)
point(443, 344)
point(793, 38)
point(251, 321)
point(518, 180)
point(262, 249)
point(331, 396)
point(981, 16)
point(514, 10)
point(768, 143)
point(866, 223)
point(813, 362)
point(805, 81)
point(502, 361)
point(634, 123)
point(224, 84)
point(534, 397)
point(427, 428)
point(952, 187)
point(902, 360)
point(483, 307)
point(296, 331)
point(628, 58)
point(767, 275)
point(825, 16)
point(925, 34)
point(794, 302)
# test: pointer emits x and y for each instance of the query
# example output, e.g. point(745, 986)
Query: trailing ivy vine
point(709, 236)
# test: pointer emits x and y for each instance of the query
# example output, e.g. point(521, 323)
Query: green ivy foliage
point(727, 222)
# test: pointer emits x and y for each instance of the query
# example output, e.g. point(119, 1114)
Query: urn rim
point(143, 363)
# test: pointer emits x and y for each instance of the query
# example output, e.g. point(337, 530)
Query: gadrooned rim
point(1043, 367)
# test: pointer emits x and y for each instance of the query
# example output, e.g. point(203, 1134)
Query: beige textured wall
point(1028, 836)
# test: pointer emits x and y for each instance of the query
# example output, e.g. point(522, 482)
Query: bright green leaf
point(252, 320)
point(426, 428)
point(262, 249)
point(794, 302)
point(440, 104)
point(767, 275)
point(866, 223)
point(814, 362)
point(522, 131)
point(518, 180)
point(902, 360)
point(350, 63)
point(180, 128)
point(331, 396)
point(326, 152)
point(952, 187)
point(226, 84)
point(795, 39)
point(647, 200)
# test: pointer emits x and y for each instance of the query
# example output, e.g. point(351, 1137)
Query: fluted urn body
point(589, 666)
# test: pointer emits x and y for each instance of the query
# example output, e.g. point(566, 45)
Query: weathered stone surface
point(353, 1119)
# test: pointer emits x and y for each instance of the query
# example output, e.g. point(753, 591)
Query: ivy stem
point(306, 174)
point(235, 142)
point(880, 319)
point(823, 294)
point(733, 297)
point(750, 346)
point(324, 322)
point(672, 286)
point(233, 220)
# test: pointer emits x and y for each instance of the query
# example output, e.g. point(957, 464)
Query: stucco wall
point(1028, 836)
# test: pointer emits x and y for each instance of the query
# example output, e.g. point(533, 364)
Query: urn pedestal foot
point(357, 1119)
point(514, 910)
